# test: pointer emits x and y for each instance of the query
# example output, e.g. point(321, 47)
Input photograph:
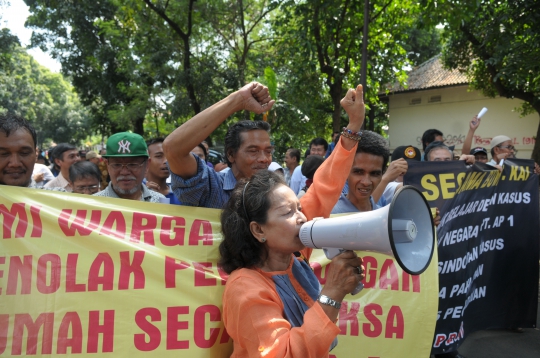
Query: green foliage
point(150, 65)
point(498, 45)
point(8, 44)
point(42, 97)
point(423, 43)
point(326, 36)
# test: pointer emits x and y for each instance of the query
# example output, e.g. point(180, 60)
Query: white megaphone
point(404, 230)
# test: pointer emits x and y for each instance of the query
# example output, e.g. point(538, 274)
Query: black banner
point(488, 246)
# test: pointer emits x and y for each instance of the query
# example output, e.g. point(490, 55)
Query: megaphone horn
point(404, 230)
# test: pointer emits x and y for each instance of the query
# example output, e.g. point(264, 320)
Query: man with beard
point(127, 161)
point(158, 170)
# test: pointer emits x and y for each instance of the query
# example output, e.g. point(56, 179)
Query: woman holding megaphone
point(273, 304)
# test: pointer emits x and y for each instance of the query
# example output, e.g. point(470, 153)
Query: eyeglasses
point(90, 188)
point(130, 166)
point(509, 147)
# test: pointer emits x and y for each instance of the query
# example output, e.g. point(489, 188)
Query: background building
point(441, 99)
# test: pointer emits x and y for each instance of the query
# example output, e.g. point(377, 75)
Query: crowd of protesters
point(355, 173)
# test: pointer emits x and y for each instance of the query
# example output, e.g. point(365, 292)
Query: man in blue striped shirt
point(247, 148)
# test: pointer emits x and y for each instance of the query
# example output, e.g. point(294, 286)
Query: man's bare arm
point(177, 146)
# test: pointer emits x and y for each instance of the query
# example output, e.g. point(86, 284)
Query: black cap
point(310, 165)
point(407, 152)
point(479, 150)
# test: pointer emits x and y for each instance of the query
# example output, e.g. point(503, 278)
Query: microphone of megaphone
point(404, 230)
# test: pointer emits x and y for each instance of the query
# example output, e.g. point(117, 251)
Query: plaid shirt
point(147, 195)
point(33, 185)
point(207, 189)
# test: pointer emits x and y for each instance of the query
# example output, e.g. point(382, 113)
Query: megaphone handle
point(332, 252)
point(357, 289)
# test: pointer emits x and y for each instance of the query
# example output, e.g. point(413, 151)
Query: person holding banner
point(127, 163)
point(392, 179)
point(501, 148)
point(18, 152)
point(17, 149)
point(440, 152)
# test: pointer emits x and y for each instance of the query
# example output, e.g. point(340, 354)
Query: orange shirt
point(252, 307)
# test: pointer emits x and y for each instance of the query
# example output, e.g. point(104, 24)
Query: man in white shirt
point(41, 175)
point(292, 160)
point(317, 146)
point(64, 156)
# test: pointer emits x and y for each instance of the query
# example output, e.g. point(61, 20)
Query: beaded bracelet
point(347, 133)
point(353, 133)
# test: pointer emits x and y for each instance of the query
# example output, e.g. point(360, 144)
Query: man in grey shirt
point(127, 161)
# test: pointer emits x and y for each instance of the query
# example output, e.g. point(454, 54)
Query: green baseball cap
point(125, 144)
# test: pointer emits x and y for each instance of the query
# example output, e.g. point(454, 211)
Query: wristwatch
point(325, 300)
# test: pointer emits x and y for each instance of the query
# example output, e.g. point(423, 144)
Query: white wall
point(452, 115)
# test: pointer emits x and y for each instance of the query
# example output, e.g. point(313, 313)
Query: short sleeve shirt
point(147, 195)
point(344, 205)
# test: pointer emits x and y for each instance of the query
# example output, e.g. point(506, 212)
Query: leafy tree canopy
point(42, 97)
point(497, 43)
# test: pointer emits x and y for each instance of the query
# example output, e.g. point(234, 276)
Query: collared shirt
point(59, 182)
point(207, 189)
point(388, 194)
point(34, 185)
point(147, 195)
point(42, 169)
point(287, 175)
point(330, 149)
point(344, 205)
point(172, 198)
point(298, 181)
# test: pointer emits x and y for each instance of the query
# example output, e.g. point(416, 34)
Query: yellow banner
point(83, 275)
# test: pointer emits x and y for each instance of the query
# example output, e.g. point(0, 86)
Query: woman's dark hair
point(239, 247)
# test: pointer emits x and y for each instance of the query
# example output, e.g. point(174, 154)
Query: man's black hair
point(436, 145)
point(154, 141)
point(374, 143)
point(10, 123)
point(429, 136)
point(84, 169)
point(319, 141)
point(58, 151)
point(233, 141)
point(293, 152)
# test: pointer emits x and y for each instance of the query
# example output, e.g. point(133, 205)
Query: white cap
point(274, 166)
point(498, 140)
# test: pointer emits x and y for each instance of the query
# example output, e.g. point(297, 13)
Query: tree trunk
point(536, 150)
point(139, 126)
point(336, 92)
